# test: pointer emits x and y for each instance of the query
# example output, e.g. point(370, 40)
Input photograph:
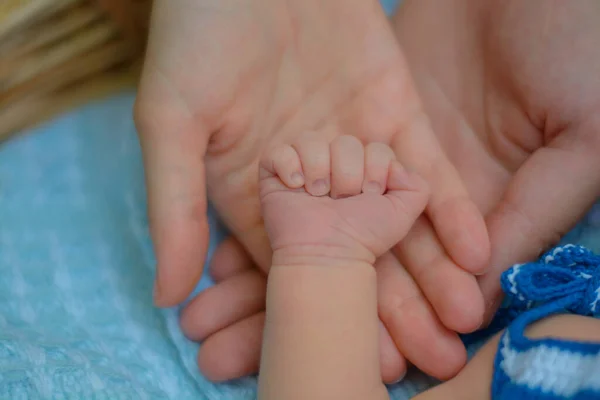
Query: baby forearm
point(321, 334)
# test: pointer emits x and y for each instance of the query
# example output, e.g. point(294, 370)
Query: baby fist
point(341, 201)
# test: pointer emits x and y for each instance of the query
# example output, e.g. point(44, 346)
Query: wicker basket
point(55, 54)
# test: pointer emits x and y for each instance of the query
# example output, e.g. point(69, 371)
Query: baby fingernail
point(320, 187)
point(342, 196)
point(297, 179)
point(372, 187)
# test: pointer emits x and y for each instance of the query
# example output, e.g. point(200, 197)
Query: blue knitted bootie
point(564, 280)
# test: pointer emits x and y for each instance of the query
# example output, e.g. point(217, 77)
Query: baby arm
point(475, 380)
point(321, 333)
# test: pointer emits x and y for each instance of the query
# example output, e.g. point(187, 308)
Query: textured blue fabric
point(76, 320)
point(76, 315)
point(564, 280)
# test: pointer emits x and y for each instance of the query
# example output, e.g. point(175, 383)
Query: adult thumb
point(173, 146)
point(548, 195)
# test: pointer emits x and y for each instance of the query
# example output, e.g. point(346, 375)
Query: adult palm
point(513, 94)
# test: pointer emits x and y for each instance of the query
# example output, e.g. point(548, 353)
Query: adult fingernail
point(400, 379)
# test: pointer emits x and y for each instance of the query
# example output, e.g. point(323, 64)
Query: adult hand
point(226, 79)
point(513, 94)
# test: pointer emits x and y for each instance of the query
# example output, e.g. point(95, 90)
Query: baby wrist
point(321, 256)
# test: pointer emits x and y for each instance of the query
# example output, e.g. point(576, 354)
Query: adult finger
point(173, 152)
point(392, 363)
point(456, 219)
point(233, 352)
point(453, 292)
point(230, 258)
point(545, 199)
point(376, 116)
point(412, 323)
point(224, 304)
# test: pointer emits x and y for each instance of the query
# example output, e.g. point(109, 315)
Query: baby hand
point(336, 202)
